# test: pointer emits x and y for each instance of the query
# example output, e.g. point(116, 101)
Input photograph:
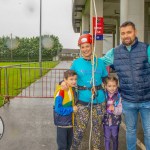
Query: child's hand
point(75, 109)
point(111, 108)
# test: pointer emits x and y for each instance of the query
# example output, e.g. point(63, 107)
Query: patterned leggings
point(81, 121)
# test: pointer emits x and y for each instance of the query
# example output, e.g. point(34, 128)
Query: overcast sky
point(21, 18)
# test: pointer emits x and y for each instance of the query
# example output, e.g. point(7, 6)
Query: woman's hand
point(64, 85)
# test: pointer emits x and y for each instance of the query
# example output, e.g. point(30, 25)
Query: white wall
point(107, 42)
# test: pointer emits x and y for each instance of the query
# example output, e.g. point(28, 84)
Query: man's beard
point(128, 44)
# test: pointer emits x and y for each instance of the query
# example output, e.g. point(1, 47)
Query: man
point(88, 105)
point(131, 61)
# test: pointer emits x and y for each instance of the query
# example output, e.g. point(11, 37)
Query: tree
point(28, 48)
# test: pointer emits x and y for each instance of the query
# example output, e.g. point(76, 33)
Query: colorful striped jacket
point(63, 108)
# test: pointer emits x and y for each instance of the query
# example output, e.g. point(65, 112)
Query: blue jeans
point(130, 111)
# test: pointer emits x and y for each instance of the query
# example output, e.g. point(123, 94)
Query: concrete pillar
point(147, 24)
point(99, 9)
point(117, 32)
point(85, 24)
point(124, 10)
point(113, 39)
point(133, 10)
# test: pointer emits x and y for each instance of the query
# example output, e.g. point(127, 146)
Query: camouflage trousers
point(81, 121)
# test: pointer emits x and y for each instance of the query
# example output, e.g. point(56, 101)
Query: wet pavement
point(29, 125)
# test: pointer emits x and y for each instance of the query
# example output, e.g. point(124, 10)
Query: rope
point(93, 75)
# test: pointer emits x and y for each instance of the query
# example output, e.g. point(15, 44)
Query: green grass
point(1, 101)
point(14, 79)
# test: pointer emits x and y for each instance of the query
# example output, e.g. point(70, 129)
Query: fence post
point(20, 77)
point(40, 69)
point(6, 82)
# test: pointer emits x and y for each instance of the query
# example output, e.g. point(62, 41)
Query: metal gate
point(26, 82)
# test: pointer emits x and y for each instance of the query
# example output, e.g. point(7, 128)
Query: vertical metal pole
point(21, 78)
point(40, 40)
point(6, 82)
point(11, 47)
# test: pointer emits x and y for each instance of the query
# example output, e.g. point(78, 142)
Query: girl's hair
point(69, 73)
point(110, 78)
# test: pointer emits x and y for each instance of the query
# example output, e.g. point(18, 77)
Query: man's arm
point(148, 52)
point(104, 73)
point(108, 58)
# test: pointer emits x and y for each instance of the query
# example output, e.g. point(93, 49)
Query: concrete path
point(29, 124)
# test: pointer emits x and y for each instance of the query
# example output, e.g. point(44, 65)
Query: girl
point(112, 117)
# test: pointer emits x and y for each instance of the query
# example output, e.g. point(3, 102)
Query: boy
point(63, 111)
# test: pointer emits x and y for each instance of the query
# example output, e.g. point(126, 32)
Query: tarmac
point(28, 125)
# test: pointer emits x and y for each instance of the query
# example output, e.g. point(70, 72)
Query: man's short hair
point(69, 73)
point(128, 23)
